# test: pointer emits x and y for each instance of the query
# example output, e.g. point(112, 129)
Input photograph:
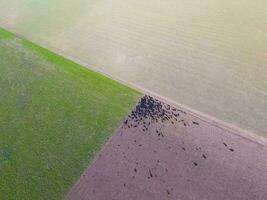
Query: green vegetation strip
point(54, 117)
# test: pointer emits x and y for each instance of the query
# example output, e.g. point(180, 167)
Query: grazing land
point(54, 117)
point(163, 152)
point(209, 55)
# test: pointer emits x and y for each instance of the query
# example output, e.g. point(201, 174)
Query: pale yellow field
point(210, 55)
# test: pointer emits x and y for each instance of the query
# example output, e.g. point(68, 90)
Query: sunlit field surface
point(210, 55)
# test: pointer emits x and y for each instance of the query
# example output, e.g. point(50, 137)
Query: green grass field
point(55, 115)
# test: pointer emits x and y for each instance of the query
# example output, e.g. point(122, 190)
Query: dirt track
point(161, 152)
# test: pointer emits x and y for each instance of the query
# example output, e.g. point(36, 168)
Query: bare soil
point(209, 55)
point(162, 152)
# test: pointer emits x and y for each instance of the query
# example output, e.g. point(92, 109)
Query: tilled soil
point(209, 55)
point(162, 152)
